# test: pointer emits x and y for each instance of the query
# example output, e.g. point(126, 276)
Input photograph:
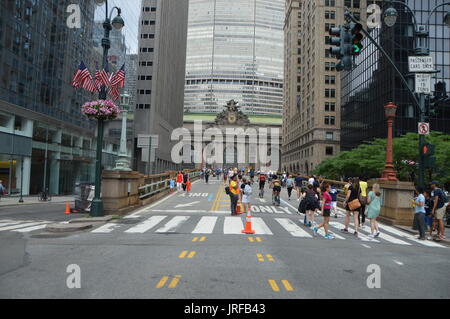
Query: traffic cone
point(67, 212)
point(248, 224)
point(238, 208)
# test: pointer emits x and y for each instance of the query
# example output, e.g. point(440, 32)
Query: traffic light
point(428, 151)
point(357, 37)
point(342, 47)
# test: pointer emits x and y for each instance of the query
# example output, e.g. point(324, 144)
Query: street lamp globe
point(390, 110)
point(390, 17)
point(118, 22)
point(447, 18)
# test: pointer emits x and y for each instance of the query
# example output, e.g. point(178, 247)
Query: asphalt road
point(188, 246)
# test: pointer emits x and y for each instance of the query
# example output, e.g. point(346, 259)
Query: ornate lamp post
point(117, 23)
point(123, 164)
point(389, 174)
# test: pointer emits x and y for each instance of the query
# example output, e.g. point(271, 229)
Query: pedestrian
point(326, 210)
point(429, 220)
point(172, 185)
point(246, 197)
point(363, 200)
point(311, 180)
point(207, 173)
point(188, 185)
point(373, 210)
point(2, 189)
point(262, 183)
point(289, 186)
point(312, 202)
point(334, 198)
point(347, 186)
point(276, 190)
point(185, 179)
point(179, 180)
point(298, 186)
point(419, 216)
point(352, 206)
point(234, 194)
point(438, 211)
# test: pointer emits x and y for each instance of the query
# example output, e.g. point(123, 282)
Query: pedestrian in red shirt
point(179, 180)
point(326, 210)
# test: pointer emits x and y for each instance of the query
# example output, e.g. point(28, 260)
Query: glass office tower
point(374, 83)
point(235, 51)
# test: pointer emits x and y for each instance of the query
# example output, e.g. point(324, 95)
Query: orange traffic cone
point(67, 212)
point(248, 224)
point(238, 208)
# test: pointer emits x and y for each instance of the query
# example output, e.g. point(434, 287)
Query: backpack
point(248, 190)
point(227, 190)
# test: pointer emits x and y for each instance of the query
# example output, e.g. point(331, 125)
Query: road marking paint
point(250, 239)
point(146, 225)
point(287, 285)
point(233, 225)
point(29, 229)
point(258, 239)
point(22, 225)
point(269, 257)
point(364, 245)
point(7, 223)
point(175, 281)
point(286, 203)
point(203, 238)
point(162, 282)
point(191, 254)
point(179, 211)
point(273, 285)
point(260, 227)
point(392, 239)
point(321, 232)
point(260, 257)
point(205, 225)
point(146, 209)
point(173, 224)
point(183, 254)
point(363, 237)
point(107, 228)
point(398, 262)
point(408, 236)
point(292, 228)
point(194, 239)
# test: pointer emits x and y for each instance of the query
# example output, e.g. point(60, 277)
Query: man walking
point(438, 212)
point(2, 189)
point(419, 216)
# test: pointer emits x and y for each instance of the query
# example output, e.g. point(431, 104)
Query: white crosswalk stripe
point(233, 225)
point(30, 229)
point(292, 228)
point(260, 227)
point(408, 236)
point(21, 225)
point(107, 228)
point(146, 225)
point(205, 225)
point(351, 230)
point(173, 224)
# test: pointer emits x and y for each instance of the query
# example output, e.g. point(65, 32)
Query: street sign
point(421, 64)
point(423, 83)
point(424, 128)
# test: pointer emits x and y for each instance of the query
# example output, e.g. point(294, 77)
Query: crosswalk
point(227, 225)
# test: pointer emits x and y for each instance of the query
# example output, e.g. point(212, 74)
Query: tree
point(369, 159)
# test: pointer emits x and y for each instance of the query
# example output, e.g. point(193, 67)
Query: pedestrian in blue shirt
point(419, 216)
point(334, 192)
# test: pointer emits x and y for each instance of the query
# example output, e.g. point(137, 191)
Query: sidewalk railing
point(155, 184)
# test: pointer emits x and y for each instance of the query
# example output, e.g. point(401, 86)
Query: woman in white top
point(246, 195)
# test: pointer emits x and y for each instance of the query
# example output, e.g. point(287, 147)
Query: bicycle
point(44, 196)
point(276, 198)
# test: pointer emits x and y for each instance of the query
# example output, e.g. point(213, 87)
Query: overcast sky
point(131, 10)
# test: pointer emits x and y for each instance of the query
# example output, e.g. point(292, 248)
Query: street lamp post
point(117, 23)
point(123, 164)
point(422, 48)
point(389, 173)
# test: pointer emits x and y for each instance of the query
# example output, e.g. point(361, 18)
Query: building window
point(330, 93)
point(329, 136)
point(330, 15)
point(330, 120)
point(330, 106)
point(329, 150)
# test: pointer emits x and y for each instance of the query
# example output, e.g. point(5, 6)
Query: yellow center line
point(203, 238)
point(250, 239)
point(260, 257)
point(194, 239)
point(183, 254)
point(258, 239)
point(174, 281)
point(162, 282)
point(287, 285)
point(192, 254)
point(274, 285)
point(269, 257)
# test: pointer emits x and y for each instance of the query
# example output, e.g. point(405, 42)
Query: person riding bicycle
point(276, 189)
point(262, 183)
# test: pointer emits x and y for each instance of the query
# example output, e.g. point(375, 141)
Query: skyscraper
point(311, 121)
point(235, 51)
point(161, 72)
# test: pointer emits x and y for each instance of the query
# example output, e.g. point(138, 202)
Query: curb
point(63, 228)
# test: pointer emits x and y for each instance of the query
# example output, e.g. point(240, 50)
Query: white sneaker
point(372, 236)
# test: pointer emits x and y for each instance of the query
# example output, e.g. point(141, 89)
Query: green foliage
point(368, 159)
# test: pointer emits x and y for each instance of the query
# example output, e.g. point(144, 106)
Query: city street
point(188, 246)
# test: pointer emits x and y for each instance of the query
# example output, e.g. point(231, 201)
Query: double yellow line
point(217, 199)
point(286, 284)
point(172, 284)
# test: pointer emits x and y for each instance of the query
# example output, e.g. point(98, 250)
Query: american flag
point(98, 78)
point(89, 84)
point(119, 78)
point(115, 92)
point(104, 76)
point(80, 76)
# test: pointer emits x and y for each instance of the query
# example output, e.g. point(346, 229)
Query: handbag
point(354, 204)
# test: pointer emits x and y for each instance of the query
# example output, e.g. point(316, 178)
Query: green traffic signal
point(357, 37)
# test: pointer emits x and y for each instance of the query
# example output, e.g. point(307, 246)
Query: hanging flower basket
point(101, 109)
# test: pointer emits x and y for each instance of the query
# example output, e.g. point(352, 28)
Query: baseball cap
point(434, 183)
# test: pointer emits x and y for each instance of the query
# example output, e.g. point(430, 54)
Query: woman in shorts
point(326, 210)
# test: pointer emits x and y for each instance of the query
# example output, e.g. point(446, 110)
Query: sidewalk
point(32, 200)
point(416, 232)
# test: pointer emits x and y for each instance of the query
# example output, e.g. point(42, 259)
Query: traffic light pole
point(421, 181)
